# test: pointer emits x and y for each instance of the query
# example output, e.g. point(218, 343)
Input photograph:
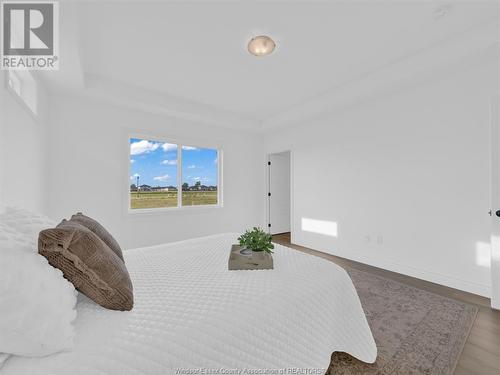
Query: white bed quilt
point(192, 315)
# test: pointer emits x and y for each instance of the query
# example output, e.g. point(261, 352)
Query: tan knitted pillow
point(86, 261)
point(100, 231)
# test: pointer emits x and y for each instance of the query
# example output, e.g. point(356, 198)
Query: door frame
point(495, 199)
point(268, 182)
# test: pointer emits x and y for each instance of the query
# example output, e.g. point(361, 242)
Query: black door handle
point(497, 213)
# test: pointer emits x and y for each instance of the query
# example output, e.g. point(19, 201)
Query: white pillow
point(37, 305)
point(28, 223)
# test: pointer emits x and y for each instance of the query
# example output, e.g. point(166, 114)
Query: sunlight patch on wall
point(483, 254)
point(328, 228)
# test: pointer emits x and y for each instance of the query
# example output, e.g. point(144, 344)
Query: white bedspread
point(192, 315)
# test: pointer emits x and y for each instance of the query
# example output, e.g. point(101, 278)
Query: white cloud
point(191, 166)
point(196, 178)
point(169, 162)
point(161, 178)
point(168, 147)
point(135, 176)
point(143, 147)
point(189, 148)
point(132, 161)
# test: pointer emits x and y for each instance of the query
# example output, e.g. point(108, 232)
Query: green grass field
point(169, 199)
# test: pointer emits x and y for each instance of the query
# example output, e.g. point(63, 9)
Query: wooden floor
point(481, 354)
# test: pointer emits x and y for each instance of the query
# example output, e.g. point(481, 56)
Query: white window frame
point(179, 142)
point(14, 77)
point(20, 96)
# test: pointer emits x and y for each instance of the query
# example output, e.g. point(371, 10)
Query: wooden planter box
point(259, 260)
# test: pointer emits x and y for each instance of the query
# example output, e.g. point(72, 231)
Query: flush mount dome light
point(261, 45)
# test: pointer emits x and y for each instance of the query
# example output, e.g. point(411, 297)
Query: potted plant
point(256, 240)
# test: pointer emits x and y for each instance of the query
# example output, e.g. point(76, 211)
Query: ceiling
point(197, 51)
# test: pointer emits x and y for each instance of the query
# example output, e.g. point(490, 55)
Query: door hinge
point(268, 194)
point(269, 225)
point(268, 163)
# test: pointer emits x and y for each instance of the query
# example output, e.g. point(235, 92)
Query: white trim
point(172, 210)
point(494, 109)
point(220, 174)
point(179, 141)
point(292, 199)
point(268, 186)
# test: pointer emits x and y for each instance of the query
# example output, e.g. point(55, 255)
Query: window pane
point(199, 176)
point(153, 174)
point(25, 86)
point(14, 82)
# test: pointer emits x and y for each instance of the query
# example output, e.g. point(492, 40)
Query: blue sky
point(156, 164)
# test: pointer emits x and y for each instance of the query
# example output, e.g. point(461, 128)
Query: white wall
point(405, 176)
point(3, 118)
point(23, 149)
point(89, 171)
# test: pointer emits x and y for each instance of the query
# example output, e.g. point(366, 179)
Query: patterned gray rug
point(416, 332)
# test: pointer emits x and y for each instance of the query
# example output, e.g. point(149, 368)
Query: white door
point(279, 189)
point(495, 201)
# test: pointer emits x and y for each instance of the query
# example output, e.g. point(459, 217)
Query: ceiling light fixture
point(261, 45)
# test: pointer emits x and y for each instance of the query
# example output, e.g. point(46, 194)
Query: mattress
point(193, 316)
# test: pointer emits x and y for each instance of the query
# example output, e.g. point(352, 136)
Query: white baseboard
point(433, 277)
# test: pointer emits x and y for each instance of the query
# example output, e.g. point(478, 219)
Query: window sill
point(172, 210)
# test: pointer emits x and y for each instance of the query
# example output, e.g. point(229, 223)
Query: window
point(24, 86)
point(14, 82)
point(199, 176)
point(159, 170)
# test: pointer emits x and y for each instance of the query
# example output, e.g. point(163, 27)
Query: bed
point(192, 315)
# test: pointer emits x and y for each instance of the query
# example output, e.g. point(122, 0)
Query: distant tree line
point(185, 187)
point(198, 187)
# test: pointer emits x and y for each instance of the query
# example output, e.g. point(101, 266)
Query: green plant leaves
point(256, 240)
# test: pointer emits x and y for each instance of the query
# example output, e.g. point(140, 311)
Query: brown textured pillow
point(100, 231)
point(86, 261)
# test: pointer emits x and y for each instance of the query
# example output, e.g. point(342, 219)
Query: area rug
point(417, 332)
